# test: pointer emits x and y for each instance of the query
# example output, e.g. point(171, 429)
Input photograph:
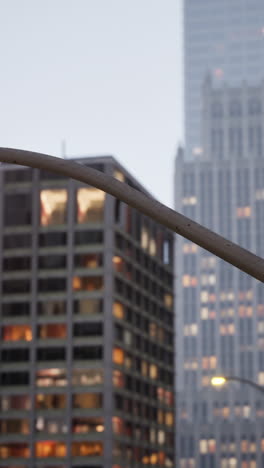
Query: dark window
point(87, 352)
point(52, 308)
point(16, 241)
point(52, 284)
point(14, 378)
point(20, 175)
point(15, 355)
point(88, 329)
point(15, 309)
point(88, 237)
point(93, 260)
point(46, 175)
point(52, 261)
point(16, 263)
point(17, 209)
point(16, 286)
point(51, 354)
point(51, 239)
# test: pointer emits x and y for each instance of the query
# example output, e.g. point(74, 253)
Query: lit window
point(260, 194)
point(50, 401)
point(88, 377)
point(206, 381)
point(169, 419)
point(261, 378)
point(203, 446)
point(14, 450)
point(192, 200)
point(50, 448)
point(52, 330)
point(51, 377)
point(87, 400)
point(204, 296)
point(118, 379)
point(119, 176)
point(87, 449)
point(168, 301)
point(190, 248)
point(118, 310)
point(14, 426)
point(90, 205)
point(144, 238)
point(153, 371)
point(144, 368)
point(118, 356)
point(53, 207)
point(244, 212)
point(152, 247)
point(189, 281)
point(16, 333)
point(87, 283)
point(118, 264)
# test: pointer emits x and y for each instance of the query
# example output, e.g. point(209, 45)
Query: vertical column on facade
point(33, 308)
point(69, 312)
point(108, 325)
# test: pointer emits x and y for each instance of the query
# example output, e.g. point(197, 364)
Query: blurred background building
point(219, 182)
point(226, 39)
point(86, 283)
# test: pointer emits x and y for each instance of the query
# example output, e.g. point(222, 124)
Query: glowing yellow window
point(118, 356)
point(16, 333)
point(53, 204)
point(153, 371)
point(90, 205)
point(118, 310)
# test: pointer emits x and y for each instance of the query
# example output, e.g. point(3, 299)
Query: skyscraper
point(226, 39)
point(220, 310)
point(86, 307)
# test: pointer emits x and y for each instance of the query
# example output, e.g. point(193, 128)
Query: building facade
point(86, 377)
point(220, 310)
point(226, 39)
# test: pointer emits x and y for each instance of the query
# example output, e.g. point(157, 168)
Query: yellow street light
point(218, 381)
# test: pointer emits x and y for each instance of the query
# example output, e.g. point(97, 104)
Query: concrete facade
point(86, 307)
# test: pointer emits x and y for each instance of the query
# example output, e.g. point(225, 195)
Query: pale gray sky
point(105, 75)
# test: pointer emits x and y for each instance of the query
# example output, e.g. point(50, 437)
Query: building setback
point(86, 307)
point(220, 310)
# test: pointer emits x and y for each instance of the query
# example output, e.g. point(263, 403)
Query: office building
point(226, 39)
point(220, 310)
point(86, 376)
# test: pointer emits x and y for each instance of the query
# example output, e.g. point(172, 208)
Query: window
point(52, 239)
point(87, 352)
point(119, 310)
point(53, 207)
point(87, 283)
point(87, 449)
point(14, 426)
point(88, 260)
point(50, 425)
point(88, 237)
point(118, 379)
point(52, 284)
point(88, 377)
point(52, 330)
point(87, 400)
point(16, 333)
point(90, 205)
point(17, 241)
point(15, 355)
point(52, 308)
point(51, 354)
point(50, 448)
point(16, 263)
point(14, 378)
point(52, 377)
point(49, 262)
point(85, 425)
point(87, 329)
point(50, 401)
point(15, 402)
point(88, 306)
point(118, 356)
point(14, 450)
point(17, 209)
point(16, 286)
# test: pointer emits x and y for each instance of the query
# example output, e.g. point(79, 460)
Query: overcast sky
point(105, 75)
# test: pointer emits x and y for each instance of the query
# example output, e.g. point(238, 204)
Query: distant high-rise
point(86, 309)
point(224, 38)
point(220, 310)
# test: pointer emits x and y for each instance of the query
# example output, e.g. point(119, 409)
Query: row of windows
point(52, 330)
point(51, 308)
point(94, 260)
point(51, 401)
point(79, 283)
point(45, 449)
